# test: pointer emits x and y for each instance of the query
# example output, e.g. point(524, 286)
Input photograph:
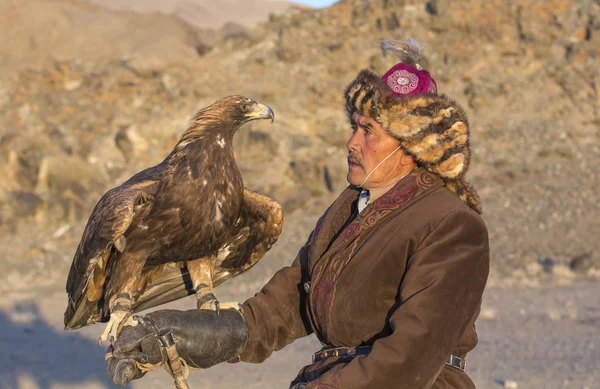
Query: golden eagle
point(180, 227)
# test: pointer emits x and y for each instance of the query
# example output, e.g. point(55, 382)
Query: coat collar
point(334, 231)
point(406, 191)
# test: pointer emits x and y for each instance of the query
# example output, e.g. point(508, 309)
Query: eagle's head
point(225, 116)
point(242, 109)
point(221, 119)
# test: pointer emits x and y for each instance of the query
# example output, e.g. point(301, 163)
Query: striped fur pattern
point(432, 128)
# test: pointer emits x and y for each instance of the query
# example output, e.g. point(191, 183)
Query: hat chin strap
point(379, 164)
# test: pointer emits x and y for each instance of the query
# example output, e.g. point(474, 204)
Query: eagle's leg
point(123, 284)
point(201, 273)
point(120, 316)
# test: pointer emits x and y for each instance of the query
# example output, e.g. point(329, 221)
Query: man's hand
point(203, 338)
point(121, 370)
point(135, 344)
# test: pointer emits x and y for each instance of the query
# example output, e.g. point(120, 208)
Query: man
point(391, 278)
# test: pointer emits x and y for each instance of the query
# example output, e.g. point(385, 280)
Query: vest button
point(307, 286)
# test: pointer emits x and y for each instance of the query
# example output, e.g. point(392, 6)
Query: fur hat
point(432, 128)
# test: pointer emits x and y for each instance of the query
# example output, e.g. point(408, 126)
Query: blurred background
point(93, 91)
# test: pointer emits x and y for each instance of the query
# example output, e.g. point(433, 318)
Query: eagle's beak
point(261, 111)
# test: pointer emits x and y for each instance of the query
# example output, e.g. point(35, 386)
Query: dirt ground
point(542, 337)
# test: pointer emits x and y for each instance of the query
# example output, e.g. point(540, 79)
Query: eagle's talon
point(230, 305)
point(212, 304)
point(128, 320)
point(118, 319)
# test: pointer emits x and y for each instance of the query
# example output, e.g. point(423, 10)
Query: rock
point(58, 172)
point(232, 30)
point(436, 7)
point(554, 314)
point(21, 204)
point(9, 172)
point(24, 111)
point(65, 182)
point(563, 274)
point(107, 159)
point(290, 197)
point(4, 95)
point(130, 142)
point(547, 264)
point(71, 85)
point(203, 48)
point(23, 317)
point(582, 263)
point(510, 385)
point(61, 231)
point(534, 269)
point(332, 127)
point(321, 172)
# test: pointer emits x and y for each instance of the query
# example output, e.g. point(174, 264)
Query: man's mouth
point(353, 162)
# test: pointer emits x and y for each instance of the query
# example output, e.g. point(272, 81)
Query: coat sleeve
point(439, 296)
point(276, 315)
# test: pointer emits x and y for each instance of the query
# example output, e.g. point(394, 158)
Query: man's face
point(370, 144)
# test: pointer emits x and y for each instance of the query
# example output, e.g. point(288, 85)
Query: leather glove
point(122, 370)
point(203, 339)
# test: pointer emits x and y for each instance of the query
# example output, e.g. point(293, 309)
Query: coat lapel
point(331, 225)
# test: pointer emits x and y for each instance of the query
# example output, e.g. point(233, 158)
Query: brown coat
point(405, 276)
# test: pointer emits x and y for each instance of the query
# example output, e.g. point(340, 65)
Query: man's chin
point(353, 179)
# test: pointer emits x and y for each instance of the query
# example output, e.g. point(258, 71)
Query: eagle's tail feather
point(80, 315)
point(172, 284)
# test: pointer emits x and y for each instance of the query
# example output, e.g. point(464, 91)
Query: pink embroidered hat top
point(404, 79)
point(407, 77)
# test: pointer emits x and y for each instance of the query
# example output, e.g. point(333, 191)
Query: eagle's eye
point(245, 105)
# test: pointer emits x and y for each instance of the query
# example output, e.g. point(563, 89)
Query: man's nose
point(352, 144)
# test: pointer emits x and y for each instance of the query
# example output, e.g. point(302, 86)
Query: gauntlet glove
point(203, 338)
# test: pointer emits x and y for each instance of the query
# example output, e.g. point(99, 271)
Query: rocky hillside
point(526, 72)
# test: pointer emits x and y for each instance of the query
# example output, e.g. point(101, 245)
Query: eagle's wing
point(104, 231)
point(260, 223)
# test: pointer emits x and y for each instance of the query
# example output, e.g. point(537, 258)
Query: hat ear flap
point(466, 193)
point(434, 129)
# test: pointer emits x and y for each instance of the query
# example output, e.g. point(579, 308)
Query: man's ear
point(406, 159)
